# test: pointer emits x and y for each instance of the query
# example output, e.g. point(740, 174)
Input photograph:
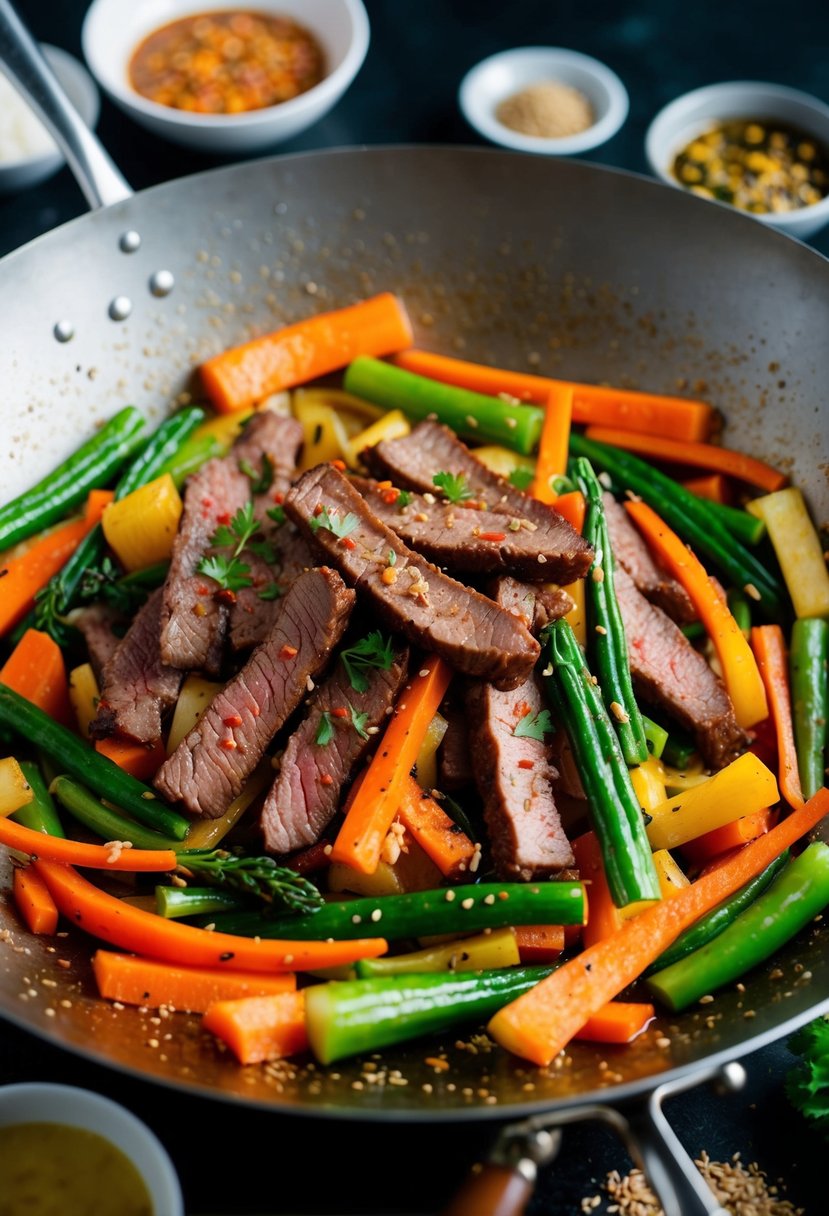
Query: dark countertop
point(405, 93)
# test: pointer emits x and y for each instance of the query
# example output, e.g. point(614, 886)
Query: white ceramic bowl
point(112, 30)
point(490, 82)
point(677, 124)
point(17, 175)
point(45, 1103)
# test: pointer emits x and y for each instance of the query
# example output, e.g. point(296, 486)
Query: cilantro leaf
point(228, 572)
point(403, 499)
point(534, 726)
point(372, 651)
point(271, 591)
point(454, 486)
point(358, 721)
point(262, 481)
point(807, 1085)
point(263, 549)
point(325, 730)
point(521, 477)
point(331, 521)
point(277, 514)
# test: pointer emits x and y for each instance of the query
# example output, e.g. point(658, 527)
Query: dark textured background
point(240, 1162)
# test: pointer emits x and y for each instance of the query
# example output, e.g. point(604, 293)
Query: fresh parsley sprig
point(534, 726)
point(521, 477)
point(371, 652)
point(229, 571)
point(325, 729)
point(454, 486)
point(329, 518)
point(263, 480)
point(260, 877)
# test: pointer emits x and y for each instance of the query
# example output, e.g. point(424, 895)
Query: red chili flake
point(207, 502)
point(226, 596)
point(338, 464)
point(255, 710)
point(319, 508)
point(339, 712)
point(278, 496)
point(348, 543)
point(383, 485)
point(203, 590)
point(232, 720)
point(224, 518)
point(495, 537)
point(228, 744)
point(526, 764)
point(326, 779)
point(389, 497)
point(288, 652)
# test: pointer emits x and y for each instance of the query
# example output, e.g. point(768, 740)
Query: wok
point(559, 267)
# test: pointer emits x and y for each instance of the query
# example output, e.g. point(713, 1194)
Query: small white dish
point(38, 1102)
point(20, 174)
point(493, 80)
point(675, 126)
point(112, 30)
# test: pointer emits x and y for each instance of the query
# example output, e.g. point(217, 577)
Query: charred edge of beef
point(210, 766)
point(408, 594)
point(305, 796)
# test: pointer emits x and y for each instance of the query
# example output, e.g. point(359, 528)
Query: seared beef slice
point(668, 672)
point(410, 595)
point(136, 687)
point(97, 623)
point(304, 798)
point(412, 463)
point(210, 766)
point(631, 552)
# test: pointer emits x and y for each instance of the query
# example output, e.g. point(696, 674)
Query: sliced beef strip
point(671, 674)
point(210, 766)
point(251, 617)
point(413, 461)
point(136, 687)
point(454, 761)
point(468, 541)
point(411, 596)
point(300, 806)
point(631, 552)
point(535, 603)
point(97, 624)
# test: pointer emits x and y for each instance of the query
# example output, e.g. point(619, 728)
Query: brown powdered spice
point(548, 110)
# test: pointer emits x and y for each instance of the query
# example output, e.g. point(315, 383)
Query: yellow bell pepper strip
point(798, 549)
point(739, 667)
point(15, 791)
point(141, 528)
point(672, 879)
point(741, 788)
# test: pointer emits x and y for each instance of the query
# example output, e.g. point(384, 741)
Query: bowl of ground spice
point(546, 100)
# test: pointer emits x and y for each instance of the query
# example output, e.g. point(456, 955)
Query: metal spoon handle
point(95, 173)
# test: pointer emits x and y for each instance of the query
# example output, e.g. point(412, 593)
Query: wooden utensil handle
point(493, 1190)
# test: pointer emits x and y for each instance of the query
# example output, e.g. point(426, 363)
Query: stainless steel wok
point(557, 267)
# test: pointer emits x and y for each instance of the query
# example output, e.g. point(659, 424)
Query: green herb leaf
point(263, 549)
point(403, 499)
point(521, 477)
point(807, 1085)
point(277, 514)
point(392, 559)
point(331, 521)
point(262, 481)
point(358, 721)
point(534, 726)
point(325, 730)
point(271, 591)
point(372, 651)
point(259, 877)
point(228, 572)
point(454, 486)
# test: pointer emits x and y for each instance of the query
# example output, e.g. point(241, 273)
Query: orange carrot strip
point(700, 455)
point(35, 669)
point(572, 507)
point(91, 856)
point(651, 413)
point(713, 844)
point(246, 374)
point(96, 503)
point(539, 943)
point(143, 981)
point(739, 667)
point(769, 648)
point(554, 442)
point(542, 1021)
point(439, 836)
point(258, 1028)
point(34, 903)
point(145, 933)
point(375, 805)
point(617, 1022)
point(603, 917)
point(135, 758)
point(714, 487)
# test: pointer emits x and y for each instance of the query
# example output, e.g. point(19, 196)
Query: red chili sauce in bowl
point(226, 62)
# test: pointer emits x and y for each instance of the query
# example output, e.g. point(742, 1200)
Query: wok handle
point(95, 173)
point(494, 1190)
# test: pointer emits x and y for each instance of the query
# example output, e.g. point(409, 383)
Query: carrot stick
point(739, 667)
point(769, 648)
point(35, 669)
point(651, 413)
point(135, 758)
point(554, 442)
point(375, 805)
point(143, 981)
point(247, 374)
point(439, 836)
point(91, 856)
point(712, 844)
point(572, 507)
point(603, 917)
point(96, 503)
point(23, 576)
point(539, 943)
point(34, 903)
point(145, 933)
point(617, 1022)
point(541, 1022)
point(258, 1028)
point(714, 487)
point(700, 455)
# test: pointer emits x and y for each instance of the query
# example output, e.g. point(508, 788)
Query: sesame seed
point(466, 904)
point(752, 591)
point(542, 561)
point(489, 899)
point(449, 896)
point(597, 575)
point(376, 915)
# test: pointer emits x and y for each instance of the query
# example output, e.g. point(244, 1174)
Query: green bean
point(190, 457)
point(614, 807)
point(656, 737)
point(740, 610)
point(493, 420)
point(40, 814)
point(176, 902)
point(90, 467)
point(102, 820)
point(748, 529)
point(679, 750)
point(810, 700)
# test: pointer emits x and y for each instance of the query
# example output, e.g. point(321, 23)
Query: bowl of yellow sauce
point(762, 149)
point(66, 1151)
